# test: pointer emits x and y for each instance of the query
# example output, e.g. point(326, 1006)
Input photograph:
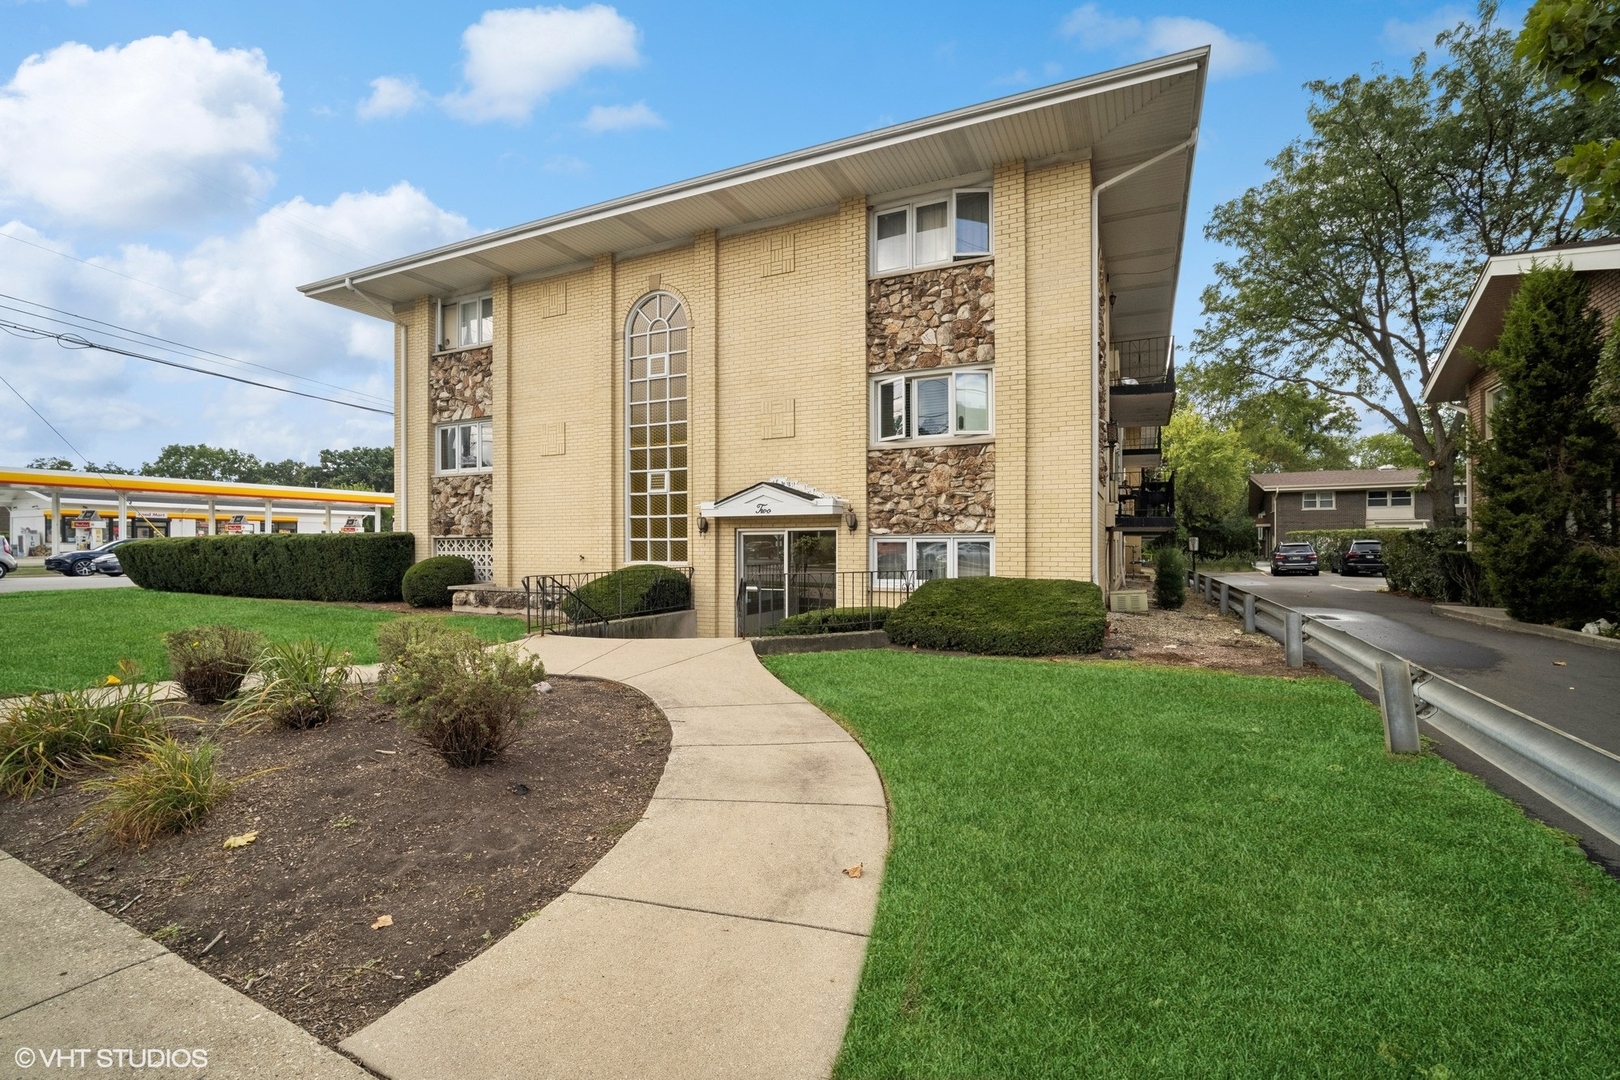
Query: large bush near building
point(1435, 564)
point(364, 567)
point(1002, 617)
point(428, 583)
point(634, 590)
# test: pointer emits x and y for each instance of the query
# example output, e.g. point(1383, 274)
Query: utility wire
point(143, 338)
point(74, 341)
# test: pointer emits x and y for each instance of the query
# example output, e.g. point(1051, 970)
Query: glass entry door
point(784, 573)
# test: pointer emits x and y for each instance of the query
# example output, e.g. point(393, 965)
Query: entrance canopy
point(776, 497)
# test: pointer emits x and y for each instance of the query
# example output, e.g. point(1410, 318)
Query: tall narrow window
point(655, 398)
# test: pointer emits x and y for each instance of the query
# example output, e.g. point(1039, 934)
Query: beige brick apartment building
point(940, 348)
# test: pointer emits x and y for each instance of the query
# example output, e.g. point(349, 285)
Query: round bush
point(428, 583)
point(632, 590)
point(1002, 617)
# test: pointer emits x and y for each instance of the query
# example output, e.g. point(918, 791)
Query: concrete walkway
point(720, 937)
point(73, 977)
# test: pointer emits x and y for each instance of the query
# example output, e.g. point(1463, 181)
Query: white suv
point(8, 561)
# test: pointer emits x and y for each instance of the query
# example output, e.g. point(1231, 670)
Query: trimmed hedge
point(1435, 564)
point(831, 621)
point(997, 616)
point(1331, 544)
point(633, 590)
point(1169, 579)
point(365, 567)
point(428, 583)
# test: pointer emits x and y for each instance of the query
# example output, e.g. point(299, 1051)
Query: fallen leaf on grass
point(382, 921)
point(241, 841)
point(853, 871)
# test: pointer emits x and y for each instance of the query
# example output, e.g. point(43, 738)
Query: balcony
point(1149, 507)
point(1143, 387)
point(1139, 448)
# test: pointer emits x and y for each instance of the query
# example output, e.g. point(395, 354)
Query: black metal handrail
point(1140, 438)
point(854, 599)
point(574, 604)
point(1145, 361)
point(1154, 497)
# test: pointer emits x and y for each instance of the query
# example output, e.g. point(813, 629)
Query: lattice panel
point(479, 550)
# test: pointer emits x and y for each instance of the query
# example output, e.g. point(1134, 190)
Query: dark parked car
point(80, 563)
point(108, 564)
point(1363, 557)
point(1294, 559)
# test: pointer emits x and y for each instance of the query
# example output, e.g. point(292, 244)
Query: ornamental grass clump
point(171, 788)
point(463, 700)
point(300, 684)
point(210, 662)
point(48, 736)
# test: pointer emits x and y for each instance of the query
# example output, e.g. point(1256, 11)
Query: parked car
point(1363, 557)
point(80, 563)
point(108, 564)
point(8, 559)
point(1294, 559)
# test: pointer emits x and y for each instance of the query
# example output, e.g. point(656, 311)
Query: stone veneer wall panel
point(931, 318)
point(463, 505)
point(932, 489)
point(461, 387)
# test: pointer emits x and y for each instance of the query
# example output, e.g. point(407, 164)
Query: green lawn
point(59, 640)
point(1115, 870)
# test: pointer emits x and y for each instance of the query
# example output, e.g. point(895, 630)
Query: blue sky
point(179, 168)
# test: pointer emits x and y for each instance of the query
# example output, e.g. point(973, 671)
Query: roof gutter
point(1098, 404)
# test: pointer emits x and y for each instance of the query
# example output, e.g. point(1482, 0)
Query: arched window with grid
point(655, 400)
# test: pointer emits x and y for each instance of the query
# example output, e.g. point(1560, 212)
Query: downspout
point(1096, 328)
point(402, 362)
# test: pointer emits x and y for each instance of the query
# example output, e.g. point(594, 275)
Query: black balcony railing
point(584, 604)
point(1145, 362)
point(1149, 505)
point(1139, 439)
point(860, 598)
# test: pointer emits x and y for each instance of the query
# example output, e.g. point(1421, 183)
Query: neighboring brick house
point(1458, 376)
point(1384, 498)
point(895, 353)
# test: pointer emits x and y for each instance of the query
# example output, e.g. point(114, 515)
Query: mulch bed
point(1197, 635)
point(361, 821)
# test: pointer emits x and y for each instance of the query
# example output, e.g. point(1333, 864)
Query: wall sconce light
point(850, 520)
point(703, 524)
point(1113, 298)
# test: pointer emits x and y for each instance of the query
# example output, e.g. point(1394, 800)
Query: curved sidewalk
point(719, 937)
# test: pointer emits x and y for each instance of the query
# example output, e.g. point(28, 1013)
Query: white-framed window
point(931, 231)
point(1459, 496)
point(466, 320)
point(656, 352)
point(1316, 500)
point(1395, 499)
point(1493, 398)
point(468, 446)
point(935, 404)
point(915, 559)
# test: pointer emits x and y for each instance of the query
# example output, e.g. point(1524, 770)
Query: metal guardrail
point(1571, 773)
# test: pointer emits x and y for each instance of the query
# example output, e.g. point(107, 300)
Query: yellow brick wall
point(1061, 402)
point(1012, 374)
point(415, 466)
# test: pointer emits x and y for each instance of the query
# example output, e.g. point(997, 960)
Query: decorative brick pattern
point(932, 489)
point(931, 317)
point(776, 418)
point(463, 505)
point(461, 385)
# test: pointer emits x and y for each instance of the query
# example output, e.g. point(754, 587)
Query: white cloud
point(621, 117)
point(233, 294)
point(1418, 35)
point(517, 57)
point(159, 131)
point(1229, 56)
point(391, 97)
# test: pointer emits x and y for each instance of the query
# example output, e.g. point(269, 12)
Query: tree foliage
point(1351, 262)
point(365, 468)
point(1546, 520)
point(1385, 448)
point(1575, 45)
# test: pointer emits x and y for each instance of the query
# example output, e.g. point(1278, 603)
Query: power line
point(142, 338)
point(74, 341)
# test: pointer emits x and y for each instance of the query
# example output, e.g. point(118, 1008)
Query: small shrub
point(831, 621)
point(466, 703)
point(1169, 579)
point(301, 684)
point(633, 590)
point(48, 736)
point(428, 583)
point(1002, 617)
point(171, 788)
point(210, 662)
point(418, 654)
point(399, 635)
point(363, 567)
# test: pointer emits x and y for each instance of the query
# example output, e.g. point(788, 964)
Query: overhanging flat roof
point(46, 481)
point(1120, 118)
point(1481, 323)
